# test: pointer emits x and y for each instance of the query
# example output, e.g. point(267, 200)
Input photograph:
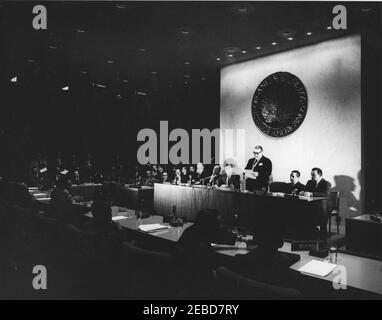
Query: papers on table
point(64, 172)
point(249, 174)
point(278, 194)
point(318, 268)
point(152, 227)
point(43, 170)
point(238, 245)
point(43, 199)
point(117, 218)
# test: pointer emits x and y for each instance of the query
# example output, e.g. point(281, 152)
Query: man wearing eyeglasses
point(262, 169)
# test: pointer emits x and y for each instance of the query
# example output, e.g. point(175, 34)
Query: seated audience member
point(196, 254)
point(178, 177)
point(192, 174)
point(113, 174)
point(16, 195)
point(154, 170)
point(137, 178)
point(57, 175)
point(201, 174)
point(61, 204)
point(165, 178)
point(318, 186)
point(265, 263)
point(75, 176)
point(39, 162)
point(99, 177)
point(59, 162)
point(73, 163)
point(160, 171)
point(184, 176)
point(149, 180)
point(101, 209)
point(228, 178)
point(88, 171)
point(295, 186)
point(34, 177)
point(215, 175)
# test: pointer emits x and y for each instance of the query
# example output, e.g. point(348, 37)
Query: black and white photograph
point(190, 155)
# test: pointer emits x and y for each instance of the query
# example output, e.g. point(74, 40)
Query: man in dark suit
point(295, 186)
point(262, 168)
point(201, 174)
point(318, 186)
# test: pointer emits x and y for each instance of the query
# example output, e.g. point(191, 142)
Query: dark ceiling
point(151, 45)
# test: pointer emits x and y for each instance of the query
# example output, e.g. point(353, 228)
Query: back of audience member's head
point(21, 195)
point(208, 220)
point(63, 183)
point(101, 208)
point(269, 231)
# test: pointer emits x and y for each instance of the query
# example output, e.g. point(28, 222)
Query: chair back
point(150, 273)
point(241, 287)
point(334, 200)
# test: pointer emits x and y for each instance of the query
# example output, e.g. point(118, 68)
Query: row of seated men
point(259, 180)
point(194, 254)
point(317, 186)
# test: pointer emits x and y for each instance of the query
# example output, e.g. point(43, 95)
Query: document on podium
point(249, 174)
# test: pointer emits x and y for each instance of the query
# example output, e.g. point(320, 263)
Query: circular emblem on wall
point(279, 104)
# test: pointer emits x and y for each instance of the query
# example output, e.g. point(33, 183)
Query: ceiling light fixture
point(185, 31)
point(286, 33)
point(242, 8)
point(120, 6)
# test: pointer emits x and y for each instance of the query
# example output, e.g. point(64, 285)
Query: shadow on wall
point(349, 205)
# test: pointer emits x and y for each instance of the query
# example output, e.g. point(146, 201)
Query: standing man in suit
point(262, 169)
point(295, 186)
point(318, 186)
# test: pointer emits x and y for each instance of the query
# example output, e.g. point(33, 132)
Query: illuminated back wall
point(329, 137)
